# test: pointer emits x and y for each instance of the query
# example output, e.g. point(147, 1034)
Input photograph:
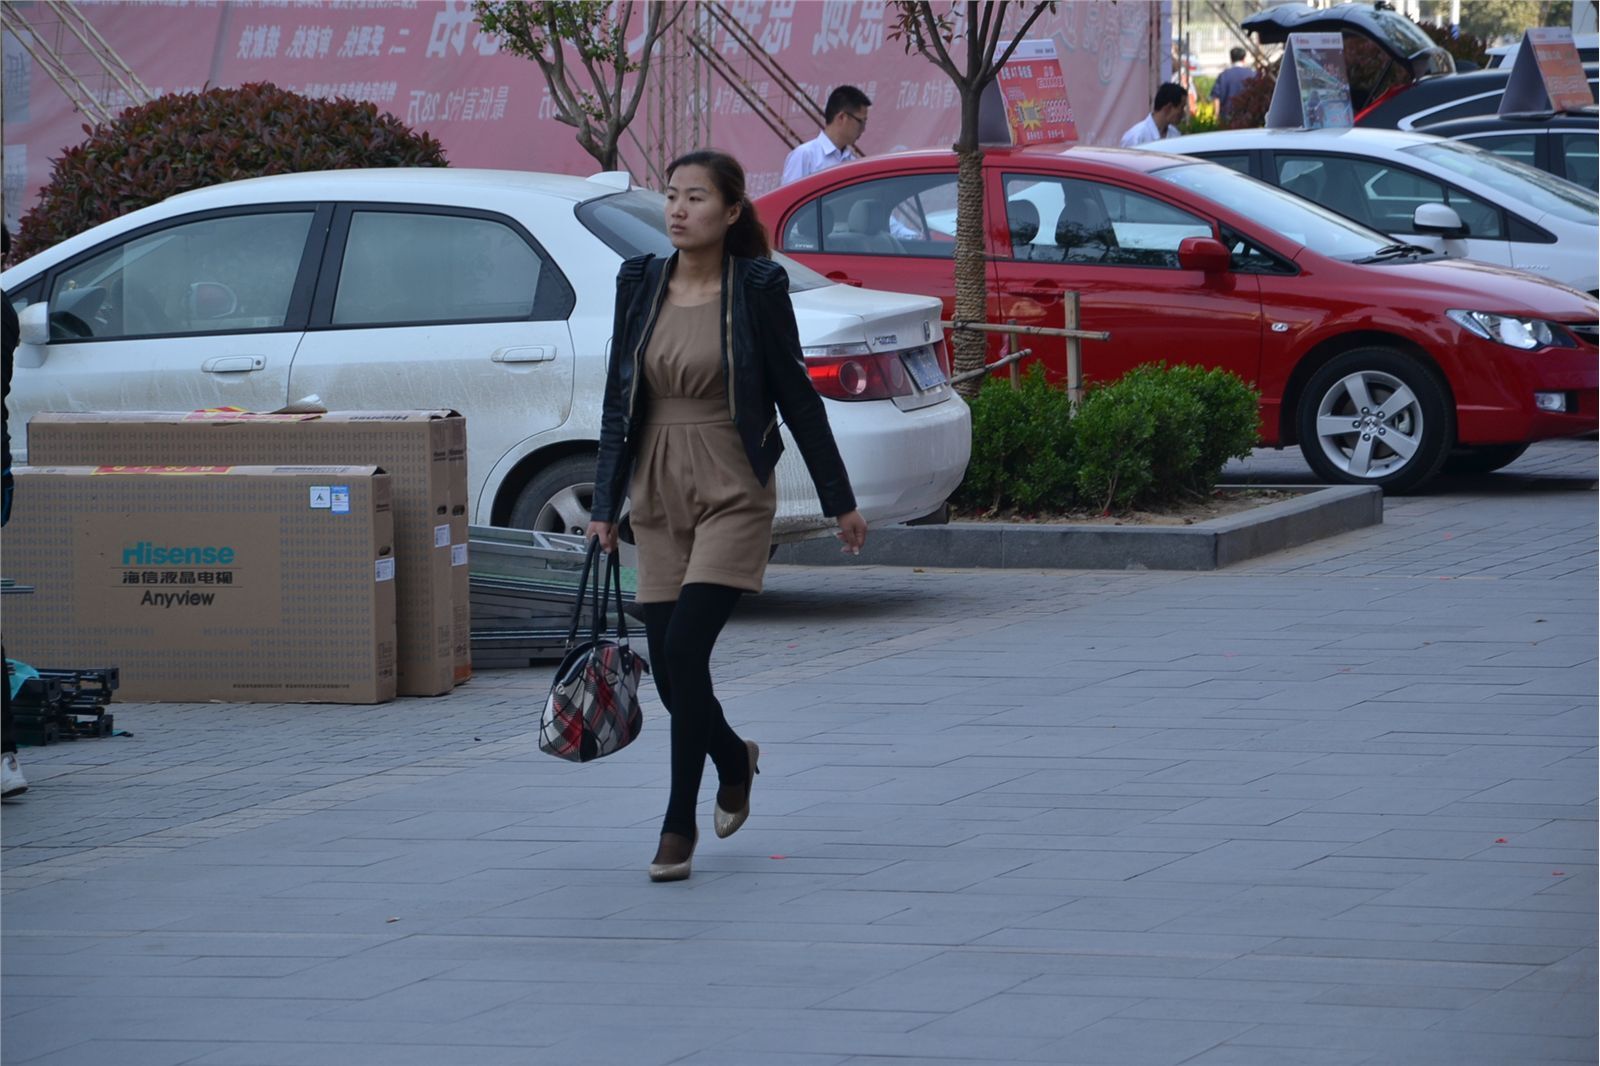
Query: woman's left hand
point(852, 532)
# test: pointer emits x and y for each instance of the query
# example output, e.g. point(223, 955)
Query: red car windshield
point(1285, 214)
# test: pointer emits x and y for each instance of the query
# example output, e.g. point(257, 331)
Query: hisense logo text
point(145, 553)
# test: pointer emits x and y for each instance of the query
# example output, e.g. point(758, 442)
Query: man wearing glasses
point(845, 118)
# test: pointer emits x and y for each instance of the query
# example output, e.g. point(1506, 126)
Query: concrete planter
point(1317, 513)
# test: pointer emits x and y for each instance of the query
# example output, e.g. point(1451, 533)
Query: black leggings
point(682, 633)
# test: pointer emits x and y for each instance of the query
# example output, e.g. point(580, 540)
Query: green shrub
point(1230, 422)
point(1203, 119)
point(1154, 435)
point(1138, 440)
point(1114, 428)
point(1021, 447)
point(185, 141)
point(1159, 433)
point(1464, 47)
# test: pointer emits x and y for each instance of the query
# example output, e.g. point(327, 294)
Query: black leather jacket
point(762, 368)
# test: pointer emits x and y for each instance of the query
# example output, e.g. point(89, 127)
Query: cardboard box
point(246, 583)
point(461, 577)
point(413, 447)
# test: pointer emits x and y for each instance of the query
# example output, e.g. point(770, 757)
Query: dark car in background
point(1560, 144)
point(1435, 90)
point(1424, 104)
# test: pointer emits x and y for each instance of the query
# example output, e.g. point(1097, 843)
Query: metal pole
point(1036, 331)
point(1069, 307)
point(50, 62)
point(764, 111)
point(114, 65)
point(1015, 368)
point(989, 368)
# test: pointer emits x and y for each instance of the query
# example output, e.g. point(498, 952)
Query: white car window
point(1090, 222)
point(1380, 195)
point(1239, 161)
point(1277, 211)
point(215, 275)
point(1519, 184)
point(634, 223)
point(414, 267)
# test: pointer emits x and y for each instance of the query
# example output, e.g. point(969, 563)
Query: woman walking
point(703, 349)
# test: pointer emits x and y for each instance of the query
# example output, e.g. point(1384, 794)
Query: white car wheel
point(560, 499)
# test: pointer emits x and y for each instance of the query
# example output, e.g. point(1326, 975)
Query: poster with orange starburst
point(1035, 96)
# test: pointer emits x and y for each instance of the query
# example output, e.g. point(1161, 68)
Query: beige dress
point(699, 514)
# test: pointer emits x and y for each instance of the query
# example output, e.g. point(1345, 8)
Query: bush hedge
point(185, 141)
point(1021, 446)
point(1155, 436)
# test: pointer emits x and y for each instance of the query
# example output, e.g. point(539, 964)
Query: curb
point(1320, 512)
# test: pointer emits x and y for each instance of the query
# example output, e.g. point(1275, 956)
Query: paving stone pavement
point(1334, 806)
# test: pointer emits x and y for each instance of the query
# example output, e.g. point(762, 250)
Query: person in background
point(12, 783)
point(845, 119)
point(1231, 81)
point(1171, 103)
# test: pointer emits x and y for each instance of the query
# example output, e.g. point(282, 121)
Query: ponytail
point(747, 237)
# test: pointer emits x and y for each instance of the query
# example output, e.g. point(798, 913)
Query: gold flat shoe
point(674, 871)
point(726, 822)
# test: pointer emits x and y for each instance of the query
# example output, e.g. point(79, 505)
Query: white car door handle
point(533, 353)
point(233, 364)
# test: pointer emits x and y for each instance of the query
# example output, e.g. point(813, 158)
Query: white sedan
point(489, 292)
point(1448, 196)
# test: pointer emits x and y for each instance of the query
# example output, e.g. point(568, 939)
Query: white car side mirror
point(1440, 220)
point(33, 335)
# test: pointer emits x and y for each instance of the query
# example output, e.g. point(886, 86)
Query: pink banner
point(428, 63)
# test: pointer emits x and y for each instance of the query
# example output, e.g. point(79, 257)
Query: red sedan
point(1381, 360)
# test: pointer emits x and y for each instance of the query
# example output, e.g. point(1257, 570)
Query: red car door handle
point(842, 278)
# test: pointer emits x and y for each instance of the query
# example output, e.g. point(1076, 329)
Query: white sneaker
point(12, 783)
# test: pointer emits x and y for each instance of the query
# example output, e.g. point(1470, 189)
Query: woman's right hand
point(606, 531)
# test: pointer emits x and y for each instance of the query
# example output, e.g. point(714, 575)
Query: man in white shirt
point(1171, 103)
point(845, 120)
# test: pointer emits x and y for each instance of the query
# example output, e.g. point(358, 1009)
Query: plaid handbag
point(593, 709)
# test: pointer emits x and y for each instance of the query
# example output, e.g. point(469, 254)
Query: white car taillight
point(855, 372)
point(880, 376)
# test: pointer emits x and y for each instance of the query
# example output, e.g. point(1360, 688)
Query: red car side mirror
point(1203, 253)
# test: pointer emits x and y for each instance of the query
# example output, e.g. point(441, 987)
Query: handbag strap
point(597, 603)
point(614, 586)
point(589, 564)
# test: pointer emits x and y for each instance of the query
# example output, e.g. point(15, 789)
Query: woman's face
point(697, 216)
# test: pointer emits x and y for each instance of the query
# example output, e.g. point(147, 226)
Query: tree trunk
point(972, 281)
